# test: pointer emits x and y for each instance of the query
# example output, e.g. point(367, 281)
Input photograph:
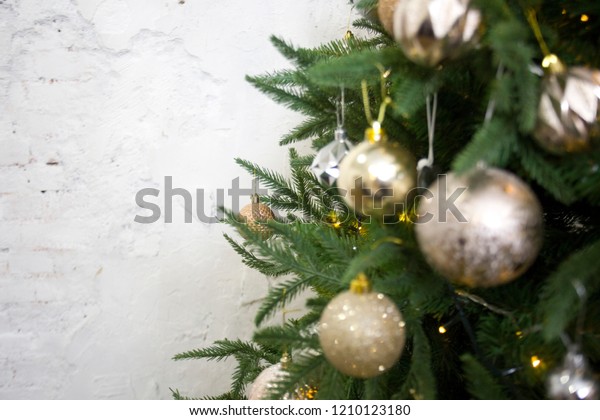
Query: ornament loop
point(489, 112)
point(360, 284)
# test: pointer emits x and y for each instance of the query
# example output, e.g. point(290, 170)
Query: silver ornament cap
point(480, 229)
point(568, 120)
point(326, 164)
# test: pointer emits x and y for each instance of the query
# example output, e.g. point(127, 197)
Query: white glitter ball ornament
point(263, 384)
point(362, 333)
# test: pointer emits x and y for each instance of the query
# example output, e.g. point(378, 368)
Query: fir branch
point(315, 126)
point(279, 295)
point(221, 350)
point(287, 336)
point(252, 261)
point(480, 383)
point(559, 304)
point(269, 178)
point(420, 383)
point(333, 384)
point(298, 374)
point(377, 388)
point(493, 144)
point(545, 174)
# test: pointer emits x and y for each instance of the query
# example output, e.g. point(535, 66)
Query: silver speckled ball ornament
point(377, 175)
point(430, 31)
point(362, 334)
point(568, 118)
point(482, 229)
point(573, 380)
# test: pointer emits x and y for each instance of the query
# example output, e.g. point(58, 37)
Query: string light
point(535, 361)
point(584, 18)
point(442, 329)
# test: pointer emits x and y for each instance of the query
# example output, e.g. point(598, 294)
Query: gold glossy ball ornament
point(430, 31)
point(385, 12)
point(568, 119)
point(362, 333)
point(376, 176)
point(481, 229)
point(256, 215)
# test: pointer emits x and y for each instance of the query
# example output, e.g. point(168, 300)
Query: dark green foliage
point(492, 335)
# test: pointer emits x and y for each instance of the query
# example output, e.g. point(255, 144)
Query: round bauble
point(482, 229)
point(264, 382)
point(326, 164)
point(568, 117)
point(430, 31)
point(573, 380)
point(385, 12)
point(362, 334)
point(256, 215)
point(375, 178)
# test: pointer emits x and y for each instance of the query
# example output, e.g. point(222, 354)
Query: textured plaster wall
point(98, 99)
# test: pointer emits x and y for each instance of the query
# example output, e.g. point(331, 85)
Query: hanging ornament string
point(431, 117)
point(340, 109)
point(491, 107)
point(425, 169)
point(385, 101)
point(550, 61)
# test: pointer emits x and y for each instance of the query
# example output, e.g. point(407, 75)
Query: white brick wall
point(98, 99)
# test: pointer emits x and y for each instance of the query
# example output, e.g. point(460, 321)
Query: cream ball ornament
point(362, 332)
point(480, 229)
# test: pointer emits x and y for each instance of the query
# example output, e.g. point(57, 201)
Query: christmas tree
point(490, 291)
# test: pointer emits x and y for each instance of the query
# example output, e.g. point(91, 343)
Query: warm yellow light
point(519, 334)
point(442, 329)
point(564, 12)
point(337, 225)
point(535, 361)
point(585, 18)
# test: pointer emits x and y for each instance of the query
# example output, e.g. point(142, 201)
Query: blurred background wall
point(102, 98)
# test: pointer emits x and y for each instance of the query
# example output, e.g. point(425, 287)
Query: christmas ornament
point(572, 381)
point(377, 175)
point(481, 229)
point(326, 164)
point(256, 215)
point(568, 117)
point(430, 31)
point(266, 380)
point(385, 12)
point(362, 333)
